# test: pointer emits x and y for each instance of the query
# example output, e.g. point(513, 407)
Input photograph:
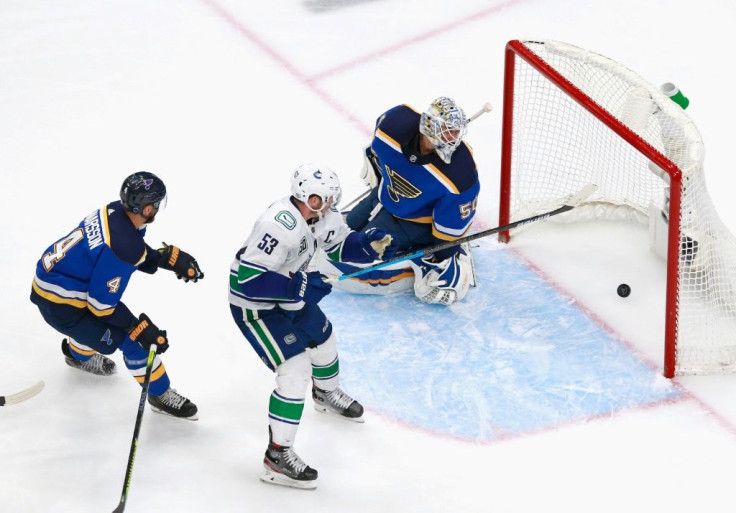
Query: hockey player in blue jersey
point(274, 301)
point(80, 280)
point(424, 189)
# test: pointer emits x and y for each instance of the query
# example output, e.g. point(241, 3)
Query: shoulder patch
point(287, 219)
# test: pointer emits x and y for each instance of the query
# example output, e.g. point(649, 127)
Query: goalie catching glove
point(443, 282)
point(183, 264)
point(147, 334)
point(378, 244)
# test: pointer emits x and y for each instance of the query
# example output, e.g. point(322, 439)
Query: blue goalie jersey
point(89, 269)
point(423, 188)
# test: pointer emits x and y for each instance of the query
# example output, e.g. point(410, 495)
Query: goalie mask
point(313, 180)
point(445, 124)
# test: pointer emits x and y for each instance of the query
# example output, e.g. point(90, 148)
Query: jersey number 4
point(61, 247)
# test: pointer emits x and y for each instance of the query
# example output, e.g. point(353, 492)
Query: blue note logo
point(107, 338)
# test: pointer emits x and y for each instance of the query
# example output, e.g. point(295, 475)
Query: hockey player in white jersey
point(274, 301)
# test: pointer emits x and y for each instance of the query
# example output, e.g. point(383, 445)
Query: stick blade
point(581, 195)
point(24, 394)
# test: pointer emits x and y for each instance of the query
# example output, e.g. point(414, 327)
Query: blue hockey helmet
point(141, 189)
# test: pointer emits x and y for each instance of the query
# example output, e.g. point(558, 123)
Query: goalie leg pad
point(443, 282)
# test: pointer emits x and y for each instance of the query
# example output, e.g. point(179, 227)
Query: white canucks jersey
point(282, 243)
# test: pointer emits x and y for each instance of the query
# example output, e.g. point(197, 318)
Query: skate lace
point(95, 364)
point(173, 399)
point(294, 460)
point(339, 398)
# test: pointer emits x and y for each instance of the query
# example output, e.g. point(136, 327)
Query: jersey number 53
point(267, 244)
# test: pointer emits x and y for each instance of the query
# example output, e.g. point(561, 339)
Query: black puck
point(623, 290)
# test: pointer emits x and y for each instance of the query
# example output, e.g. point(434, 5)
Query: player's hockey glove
point(378, 244)
point(147, 334)
point(183, 264)
point(308, 287)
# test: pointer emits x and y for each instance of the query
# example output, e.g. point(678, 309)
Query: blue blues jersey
point(89, 269)
point(423, 188)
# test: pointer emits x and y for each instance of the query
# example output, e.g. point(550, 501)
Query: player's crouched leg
point(161, 397)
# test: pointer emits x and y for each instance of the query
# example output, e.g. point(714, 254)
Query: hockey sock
point(325, 364)
point(80, 352)
point(135, 358)
point(287, 400)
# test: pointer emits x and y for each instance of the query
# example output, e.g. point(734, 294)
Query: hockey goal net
point(573, 117)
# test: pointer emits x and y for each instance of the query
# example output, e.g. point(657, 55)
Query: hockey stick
point(7, 400)
point(138, 419)
point(487, 107)
point(570, 203)
point(362, 195)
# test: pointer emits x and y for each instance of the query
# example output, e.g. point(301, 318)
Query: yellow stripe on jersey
point(422, 220)
point(444, 236)
point(78, 303)
point(105, 225)
point(139, 262)
point(100, 313)
point(388, 139)
point(440, 176)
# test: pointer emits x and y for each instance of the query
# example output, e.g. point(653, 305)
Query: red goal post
point(572, 117)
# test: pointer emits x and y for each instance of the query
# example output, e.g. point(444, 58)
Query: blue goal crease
point(513, 357)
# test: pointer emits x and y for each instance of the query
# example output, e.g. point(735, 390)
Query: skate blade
point(271, 477)
point(162, 412)
point(324, 409)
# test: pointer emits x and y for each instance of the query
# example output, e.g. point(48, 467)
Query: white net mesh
point(559, 146)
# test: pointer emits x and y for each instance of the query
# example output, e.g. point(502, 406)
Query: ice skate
point(282, 466)
point(337, 403)
point(99, 365)
point(174, 404)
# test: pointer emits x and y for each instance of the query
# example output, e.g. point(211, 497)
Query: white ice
point(222, 98)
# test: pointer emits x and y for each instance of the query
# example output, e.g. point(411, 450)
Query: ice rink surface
point(542, 391)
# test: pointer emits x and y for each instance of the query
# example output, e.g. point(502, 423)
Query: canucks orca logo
point(147, 182)
point(400, 186)
point(317, 174)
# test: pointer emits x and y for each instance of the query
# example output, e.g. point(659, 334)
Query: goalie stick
point(7, 400)
point(568, 204)
point(138, 419)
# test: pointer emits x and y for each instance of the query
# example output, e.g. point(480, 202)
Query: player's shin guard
point(325, 364)
point(327, 395)
point(135, 358)
point(287, 400)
